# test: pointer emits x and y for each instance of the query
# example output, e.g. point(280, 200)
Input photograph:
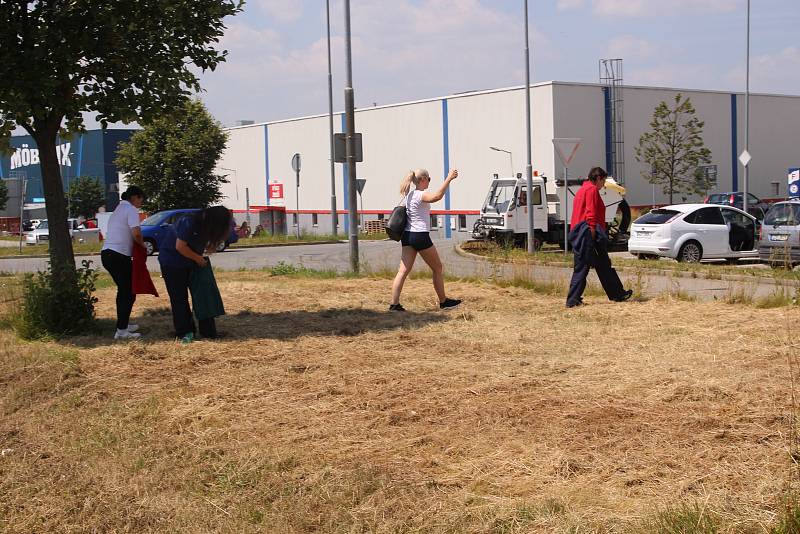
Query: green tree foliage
point(173, 159)
point(85, 195)
point(3, 194)
point(674, 150)
point(120, 60)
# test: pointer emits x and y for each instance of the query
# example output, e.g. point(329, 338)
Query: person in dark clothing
point(589, 243)
point(182, 252)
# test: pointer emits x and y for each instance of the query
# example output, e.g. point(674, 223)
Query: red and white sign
point(275, 191)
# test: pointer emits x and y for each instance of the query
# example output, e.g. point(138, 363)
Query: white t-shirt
point(418, 211)
point(118, 237)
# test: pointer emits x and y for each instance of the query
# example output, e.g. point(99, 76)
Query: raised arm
point(436, 196)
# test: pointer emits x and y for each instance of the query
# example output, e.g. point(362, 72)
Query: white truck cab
point(504, 214)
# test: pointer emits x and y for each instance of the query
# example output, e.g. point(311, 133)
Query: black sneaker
point(576, 304)
point(396, 307)
point(449, 304)
point(625, 296)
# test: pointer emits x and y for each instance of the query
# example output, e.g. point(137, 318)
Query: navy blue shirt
point(185, 229)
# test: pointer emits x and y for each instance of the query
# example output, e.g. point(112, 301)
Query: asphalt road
point(385, 255)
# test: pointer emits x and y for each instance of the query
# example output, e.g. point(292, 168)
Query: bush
point(55, 306)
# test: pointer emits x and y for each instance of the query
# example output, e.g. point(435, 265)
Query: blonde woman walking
point(416, 238)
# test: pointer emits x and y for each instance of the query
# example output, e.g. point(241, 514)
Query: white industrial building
point(457, 131)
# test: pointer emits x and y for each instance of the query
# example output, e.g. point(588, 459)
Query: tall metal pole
point(334, 216)
point(747, 115)
point(529, 166)
point(297, 201)
point(350, 127)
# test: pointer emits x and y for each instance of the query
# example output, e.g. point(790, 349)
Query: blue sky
point(412, 49)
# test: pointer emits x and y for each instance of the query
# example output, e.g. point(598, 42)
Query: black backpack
point(397, 221)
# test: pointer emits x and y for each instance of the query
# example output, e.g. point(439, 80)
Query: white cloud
point(408, 50)
point(778, 72)
point(280, 10)
point(566, 5)
point(630, 47)
point(657, 8)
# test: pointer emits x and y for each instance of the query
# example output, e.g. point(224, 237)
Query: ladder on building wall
point(610, 73)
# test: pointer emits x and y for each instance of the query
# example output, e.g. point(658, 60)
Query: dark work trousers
point(177, 282)
point(120, 267)
point(591, 254)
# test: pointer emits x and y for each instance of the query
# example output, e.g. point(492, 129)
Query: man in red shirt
point(589, 242)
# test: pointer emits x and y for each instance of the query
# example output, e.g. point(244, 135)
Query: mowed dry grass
point(323, 413)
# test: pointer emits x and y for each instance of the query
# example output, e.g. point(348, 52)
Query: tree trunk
point(61, 253)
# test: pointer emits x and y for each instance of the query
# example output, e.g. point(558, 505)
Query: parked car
point(41, 233)
point(780, 234)
point(694, 232)
point(154, 227)
point(755, 206)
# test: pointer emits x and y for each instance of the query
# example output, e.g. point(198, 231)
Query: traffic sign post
point(296, 169)
point(744, 159)
point(566, 148)
point(793, 183)
point(360, 183)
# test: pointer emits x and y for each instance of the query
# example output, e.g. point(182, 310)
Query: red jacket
point(588, 206)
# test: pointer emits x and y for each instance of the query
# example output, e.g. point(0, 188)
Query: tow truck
point(504, 215)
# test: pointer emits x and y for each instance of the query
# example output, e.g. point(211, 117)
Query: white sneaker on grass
point(133, 328)
point(126, 334)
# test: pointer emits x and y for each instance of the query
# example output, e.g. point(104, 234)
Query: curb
point(263, 245)
point(650, 271)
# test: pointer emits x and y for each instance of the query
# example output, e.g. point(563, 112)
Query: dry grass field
point(321, 412)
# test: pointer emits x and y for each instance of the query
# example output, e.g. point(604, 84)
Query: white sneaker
point(126, 334)
point(133, 328)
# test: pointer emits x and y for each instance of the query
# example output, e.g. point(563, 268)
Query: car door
point(711, 230)
point(741, 232)
point(539, 213)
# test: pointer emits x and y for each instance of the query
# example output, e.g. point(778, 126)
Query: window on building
point(434, 222)
point(776, 189)
point(462, 222)
point(380, 216)
point(314, 219)
point(294, 219)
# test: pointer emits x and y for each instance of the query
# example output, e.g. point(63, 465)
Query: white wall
point(406, 136)
point(244, 155)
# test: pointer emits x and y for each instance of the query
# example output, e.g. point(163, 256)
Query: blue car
point(154, 227)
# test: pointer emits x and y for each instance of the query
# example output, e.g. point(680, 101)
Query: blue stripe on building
point(446, 158)
point(345, 173)
point(734, 147)
point(80, 156)
point(607, 121)
point(266, 159)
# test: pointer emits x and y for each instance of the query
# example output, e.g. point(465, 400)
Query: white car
point(41, 233)
point(694, 232)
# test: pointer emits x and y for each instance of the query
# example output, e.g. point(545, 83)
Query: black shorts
point(417, 240)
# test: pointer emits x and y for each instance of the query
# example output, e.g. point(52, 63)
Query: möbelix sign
point(25, 157)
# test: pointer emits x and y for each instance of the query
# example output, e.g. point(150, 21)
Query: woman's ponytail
point(405, 183)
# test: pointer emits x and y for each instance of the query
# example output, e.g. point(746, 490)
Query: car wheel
point(222, 246)
point(691, 252)
point(150, 247)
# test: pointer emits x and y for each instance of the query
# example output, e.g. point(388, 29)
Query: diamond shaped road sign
point(745, 158)
point(566, 147)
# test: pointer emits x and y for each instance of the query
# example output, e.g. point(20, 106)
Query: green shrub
point(55, 305)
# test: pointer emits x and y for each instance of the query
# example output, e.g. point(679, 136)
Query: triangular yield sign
point(566, 147)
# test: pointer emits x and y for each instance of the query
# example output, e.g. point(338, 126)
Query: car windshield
point(659, 216)
point(42, 225)
point(153, 220)
point(500, 196)
point(783, 215)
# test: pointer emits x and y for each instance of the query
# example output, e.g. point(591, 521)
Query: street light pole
point(510, 157)
point(334, 216)
point(747, 115)
point(350, 127)
point(528, 166)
